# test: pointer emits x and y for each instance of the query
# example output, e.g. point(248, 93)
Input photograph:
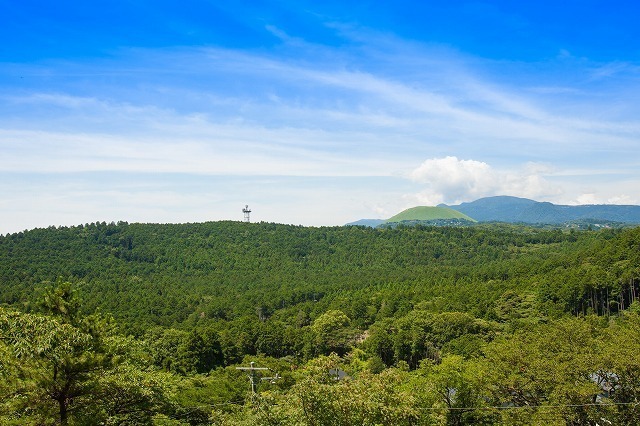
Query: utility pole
point(273, 379)
point(252, 375)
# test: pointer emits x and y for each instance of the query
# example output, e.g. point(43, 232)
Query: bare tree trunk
point(62, 406)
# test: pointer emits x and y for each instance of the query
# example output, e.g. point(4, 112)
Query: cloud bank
point(450, 180)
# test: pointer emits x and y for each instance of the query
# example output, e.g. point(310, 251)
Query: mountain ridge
point(510, 209)
point(426, 213)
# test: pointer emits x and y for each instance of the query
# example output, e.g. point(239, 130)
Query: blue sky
point(313, 113)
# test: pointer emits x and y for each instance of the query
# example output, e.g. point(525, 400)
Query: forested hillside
point(430, 325)
point(521, 210)
point(424, 213)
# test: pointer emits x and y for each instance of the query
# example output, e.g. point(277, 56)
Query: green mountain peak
point(428, 213)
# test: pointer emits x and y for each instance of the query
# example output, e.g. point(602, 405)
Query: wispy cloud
point(334, 102)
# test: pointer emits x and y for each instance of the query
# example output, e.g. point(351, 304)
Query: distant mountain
point(423, 213)
point(517, 210)
point(522, 210)
point(435, 216)
point(366, 222)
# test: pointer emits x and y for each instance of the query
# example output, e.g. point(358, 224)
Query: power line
point(521, 407)
point(524, 407)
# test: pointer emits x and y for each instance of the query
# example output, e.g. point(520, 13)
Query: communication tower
point(246, 212)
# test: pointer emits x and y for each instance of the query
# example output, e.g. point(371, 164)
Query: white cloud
point(451, 180)
point(589, 198)
point(600, 197)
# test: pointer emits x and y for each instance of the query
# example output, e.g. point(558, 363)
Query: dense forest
point(417, 325)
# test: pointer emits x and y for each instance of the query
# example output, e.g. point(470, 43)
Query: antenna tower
point(246, 212)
